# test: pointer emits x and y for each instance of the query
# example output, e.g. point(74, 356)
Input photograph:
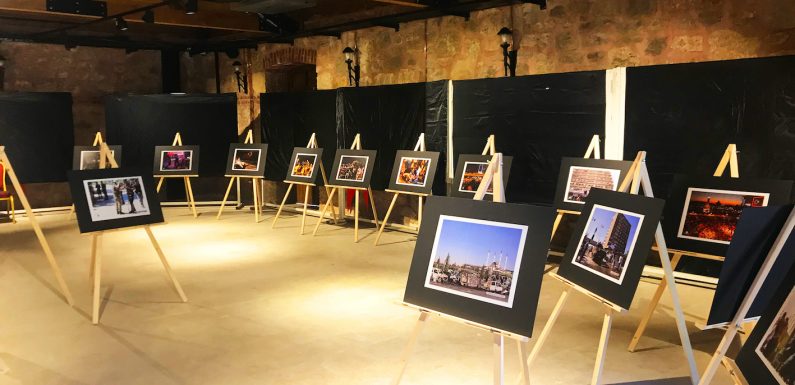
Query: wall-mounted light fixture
point(2, 71)
point(121, 24)
point(508, 57)
point(352, 60)
point(242, 79)
point(191, 7)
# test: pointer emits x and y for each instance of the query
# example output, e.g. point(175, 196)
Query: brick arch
point(289, 57)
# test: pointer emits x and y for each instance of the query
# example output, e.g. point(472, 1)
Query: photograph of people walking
point(777, 349)
point(116, 198)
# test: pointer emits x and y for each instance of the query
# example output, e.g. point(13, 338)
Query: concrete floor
point(267, 306)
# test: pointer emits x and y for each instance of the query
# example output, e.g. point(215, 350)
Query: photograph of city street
point(712, 215)
point(413, 171)
point(473, 174)
point(582, 179)
point(352, 168)
point(605, 247)
point(304, 165)
point(116, 198)
point(175, 160)
point(89, 160)
point(476, 259)
point(246, 159)
point(777, 349)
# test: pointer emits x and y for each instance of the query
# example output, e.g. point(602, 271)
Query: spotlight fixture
point(149, 16)
point(242, 79)
point(191, 7)
point(2, 71)
point(508, 57)
point(352, 60)
point(121, 24)
point(2, 62)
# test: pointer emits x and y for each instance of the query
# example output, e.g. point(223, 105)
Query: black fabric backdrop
point(141, 122)
point(289, 119)
point(38, 131)
point(536, 119)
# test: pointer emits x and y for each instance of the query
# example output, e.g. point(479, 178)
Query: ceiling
point(219, 25)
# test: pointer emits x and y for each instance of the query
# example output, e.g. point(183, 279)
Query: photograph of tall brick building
point(606, 245)
point(583, 179)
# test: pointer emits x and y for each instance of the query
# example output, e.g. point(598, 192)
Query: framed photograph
point(414, 171)
point(469, 173)
point(756, 231)
point(304, 165)
point(481, 261)
point(768, 356)
point(246, 160)
point(578, 175)
point(702, 212)
point(87, 157)
point(114, 198)
point(610, 243)
point(176, 160)
point(352, 168)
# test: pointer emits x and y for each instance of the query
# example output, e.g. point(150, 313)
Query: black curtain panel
point(684, 116)
point(289, 119)
point(141, 122)
point(391, 118)
point(536, 119)
point(38, 132)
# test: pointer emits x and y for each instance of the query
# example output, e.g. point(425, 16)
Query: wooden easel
point(637, 176)
point(357, 145)
point(593, 150)
point(188, 188)
point(95, 272)
point(745, 306)
point(494, 177)
point(254, 182)
point(97, 141)
point(23, 199)
point(312, 144)
point(420, 146)
point(729, 158)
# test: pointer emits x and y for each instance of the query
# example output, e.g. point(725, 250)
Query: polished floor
point(269, 306)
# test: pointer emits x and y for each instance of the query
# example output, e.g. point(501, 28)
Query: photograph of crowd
point(712, 215)
point(413, 171)
point(304, 165)
point(175, 160)
point(473, 175)
point(89, 160)
point(606, 245)
point(246, 159)
point(116, 198)
point(582, 179)
point(777, 349)
point(476, 259)
point(352, 168)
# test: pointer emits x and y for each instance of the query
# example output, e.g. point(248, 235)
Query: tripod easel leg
point(386, 218)
point(160, 184)
point(226, 195)
point(191, 201)
point(323, 212)
point(162, 256)
point(372, 205)
point(306, 203)
point(93, 258)
point(419, 213)
point(356, 218)
point(96, 247)
point(404, 356)
point(655, 299)
point(257, 207)
point(556, 224)
point(498, 348)
point(281, 206)
point(522, 350)
point(601, 353)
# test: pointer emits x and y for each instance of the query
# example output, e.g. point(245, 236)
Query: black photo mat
point(757, 229)
point(594, 259)
point(87, 157)
point(304, 165)
point(247, 160)
point(465, 184)
point(767, 357)
point(507, 241)
point(176, 161)
point(578, 175)
point(114, 198)
point(414, 171)
point(352, 168)
point(702, 211)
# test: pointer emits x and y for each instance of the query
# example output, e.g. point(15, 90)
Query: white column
point(615, 107)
